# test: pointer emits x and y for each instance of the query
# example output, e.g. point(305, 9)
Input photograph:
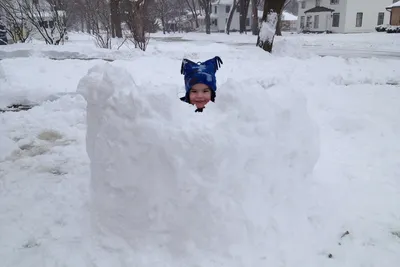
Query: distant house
point(42, 16)
point(220, 15)
point(342, 16)
point(288, 21)
point(394, 10)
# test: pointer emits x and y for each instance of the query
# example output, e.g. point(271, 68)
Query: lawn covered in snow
point(296, 164)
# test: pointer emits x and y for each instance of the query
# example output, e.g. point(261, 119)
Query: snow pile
point(43, 185)
point(171, 187)
point(289, 47)
point(34, 81)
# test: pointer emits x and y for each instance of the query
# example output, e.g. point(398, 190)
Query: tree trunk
point(254, 21)
point(112, 26)
point(115, 19)
point(206, 5)
point(207, 11)
point(195, 14)
point(272, 9)
point(231, 12)
point(193, 9)
point(241, 16)
point(82, 24)
point(208, 22)
point(163, 23)
point(243, 10)
point(279, 26)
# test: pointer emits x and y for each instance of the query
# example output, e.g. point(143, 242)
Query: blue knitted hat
point(201, 72)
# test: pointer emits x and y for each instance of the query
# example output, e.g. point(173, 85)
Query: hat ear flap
point(187, 66)
point(213, 64)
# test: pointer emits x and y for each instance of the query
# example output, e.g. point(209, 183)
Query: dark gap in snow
point(90, 58)
point(396, 233)
point(17, 108)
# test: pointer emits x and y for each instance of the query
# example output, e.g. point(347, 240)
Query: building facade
point(342, 16)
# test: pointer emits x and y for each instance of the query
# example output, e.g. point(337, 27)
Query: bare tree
point(18, 28)
point(165, 10)
point(272, 9)
point(181, 9)
point(116, 30)
point(231, 13)
point(46, 17)
point(139, 22)
point(243, 10)
point(194, 9)
point(279, 24)
point(254, 16)
point(206, 5)
point(97, 16)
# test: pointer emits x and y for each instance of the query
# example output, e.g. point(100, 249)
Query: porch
point(317, 19)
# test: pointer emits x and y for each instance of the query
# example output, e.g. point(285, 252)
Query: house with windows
point(342, 16)
point(220, 14)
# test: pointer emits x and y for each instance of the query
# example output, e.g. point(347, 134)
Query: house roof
point(397, 4)
point(288, 16)
point(319, 9)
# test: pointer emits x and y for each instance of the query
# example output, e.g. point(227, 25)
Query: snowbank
point(224, 187)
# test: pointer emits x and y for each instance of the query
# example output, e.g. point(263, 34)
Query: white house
point(220, 15)
point(342, 16)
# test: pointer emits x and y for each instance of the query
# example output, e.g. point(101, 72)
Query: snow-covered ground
point(296, 164)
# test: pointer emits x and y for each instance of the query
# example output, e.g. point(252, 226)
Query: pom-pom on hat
point(201, 72)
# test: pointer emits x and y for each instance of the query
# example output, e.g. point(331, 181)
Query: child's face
point(200, 95)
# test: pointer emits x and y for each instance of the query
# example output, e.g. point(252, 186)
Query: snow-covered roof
point(212, 16)
point(286, 15)
point(397, 4)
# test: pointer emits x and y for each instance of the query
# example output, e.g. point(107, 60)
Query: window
point(309, 22)
point(227, 8)
point(317, 2)
point(303, 4)
point(316, 21)
point(247, 21)
point(335, 19)
point(334, 2)
point(215, 9)
point(359, 19)
point(302, 20)
point(381, 17)
point(214, 22)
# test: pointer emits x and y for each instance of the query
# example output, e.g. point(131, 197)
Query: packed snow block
point(220, 188)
